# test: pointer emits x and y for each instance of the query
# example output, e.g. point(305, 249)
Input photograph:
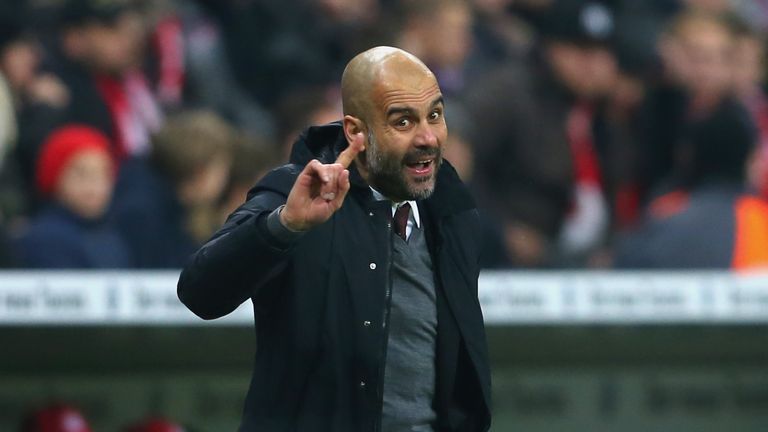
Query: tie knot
point(401, 219)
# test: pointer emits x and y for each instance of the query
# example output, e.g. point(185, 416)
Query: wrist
point(285, 222)
point(279, 231)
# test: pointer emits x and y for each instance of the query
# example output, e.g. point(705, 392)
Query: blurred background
point(617, 149)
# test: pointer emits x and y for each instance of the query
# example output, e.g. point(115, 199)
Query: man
point(100, 53)
point(362, 324)
point(715, 221)
point(548, 165)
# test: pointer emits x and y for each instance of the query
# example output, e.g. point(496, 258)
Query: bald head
point(373, 68)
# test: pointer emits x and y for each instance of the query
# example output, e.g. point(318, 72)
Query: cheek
point(441, 132)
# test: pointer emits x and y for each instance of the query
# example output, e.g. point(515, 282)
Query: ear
point(354, 129)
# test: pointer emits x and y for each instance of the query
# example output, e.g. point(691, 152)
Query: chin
point(421, 190)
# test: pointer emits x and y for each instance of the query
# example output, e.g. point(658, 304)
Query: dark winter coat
point(57, 238)
point(321, 303)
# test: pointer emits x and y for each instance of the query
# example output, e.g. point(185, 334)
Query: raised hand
point(319, 190)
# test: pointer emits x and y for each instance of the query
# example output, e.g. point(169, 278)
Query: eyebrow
point(409, 110)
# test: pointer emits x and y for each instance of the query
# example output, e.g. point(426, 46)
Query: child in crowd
point(75, 175)
point(164, 205)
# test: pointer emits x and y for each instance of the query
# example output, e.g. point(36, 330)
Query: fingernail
point(329, 196)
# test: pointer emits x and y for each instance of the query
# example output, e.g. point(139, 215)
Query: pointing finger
point(350, 153)
point(343, 188)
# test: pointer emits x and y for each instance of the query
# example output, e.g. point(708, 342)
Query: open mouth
point(421, 167)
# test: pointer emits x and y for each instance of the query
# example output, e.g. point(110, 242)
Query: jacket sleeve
point(242, 256)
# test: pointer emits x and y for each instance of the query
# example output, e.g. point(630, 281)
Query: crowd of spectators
point(594, 133)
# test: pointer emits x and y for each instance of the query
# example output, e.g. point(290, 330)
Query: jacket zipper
point(385, 327)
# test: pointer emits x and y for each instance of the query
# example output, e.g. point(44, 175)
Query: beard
point(387, 173)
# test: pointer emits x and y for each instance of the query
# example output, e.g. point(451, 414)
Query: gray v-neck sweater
point(409, 376)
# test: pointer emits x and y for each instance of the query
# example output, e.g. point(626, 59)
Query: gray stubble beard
point(386, 175)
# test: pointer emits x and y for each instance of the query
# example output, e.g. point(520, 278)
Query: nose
point(426, 136)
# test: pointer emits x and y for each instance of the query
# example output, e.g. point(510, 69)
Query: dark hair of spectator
point(581, 22)
point(76, 13)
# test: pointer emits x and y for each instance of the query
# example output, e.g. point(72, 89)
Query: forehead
point(410, 86)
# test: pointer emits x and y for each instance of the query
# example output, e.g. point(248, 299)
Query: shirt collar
point(414, 208)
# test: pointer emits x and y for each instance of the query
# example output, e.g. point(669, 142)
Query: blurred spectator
point(713, 222)
point(273, 52)
point(7, 119)
point(460, 152)
point(155, 425)
point(102, 49)
point(75, 173)
point(344, 28)
point(499, 34)
point(55, 418)
point(190, 66)
point(30, 99)
point(440, 33)
point(459, 149)
point(577, 108)
point(164, 204)
point(19, 62)
point(250, 161)
point(310, 105)
point(7, 140)
point(748, 69)
point(544, 141)
point(695, 50)
point(639, 26)
point(12, 197)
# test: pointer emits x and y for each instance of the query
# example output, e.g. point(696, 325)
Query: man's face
point(118, 46)
point(405, 136)
point(19, 61)
point(700, 58)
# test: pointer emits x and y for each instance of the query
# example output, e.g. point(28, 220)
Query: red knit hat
point(59, 148)
point(56, 418)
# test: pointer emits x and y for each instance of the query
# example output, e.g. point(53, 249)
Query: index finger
point(350, 153)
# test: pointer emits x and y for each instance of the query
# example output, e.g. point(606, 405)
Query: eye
point(403, 123)
point(435, 115)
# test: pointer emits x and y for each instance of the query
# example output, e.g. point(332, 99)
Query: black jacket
point(321, 304)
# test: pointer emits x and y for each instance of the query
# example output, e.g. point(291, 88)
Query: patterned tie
point(401, 219)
